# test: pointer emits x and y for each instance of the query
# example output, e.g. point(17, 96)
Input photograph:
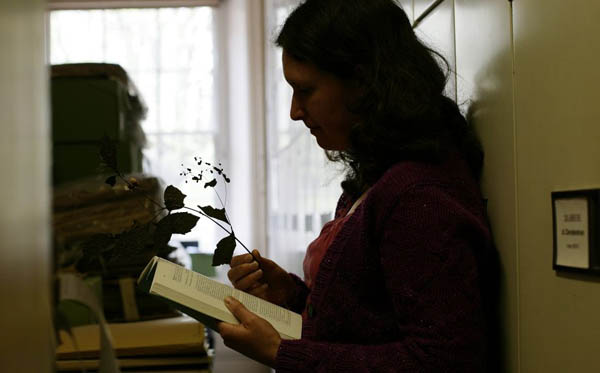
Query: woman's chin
point(328, 145)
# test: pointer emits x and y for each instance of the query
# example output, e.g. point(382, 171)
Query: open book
point(202, 298)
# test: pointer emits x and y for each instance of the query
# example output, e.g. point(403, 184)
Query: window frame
point(217, 134)
point(120, 4)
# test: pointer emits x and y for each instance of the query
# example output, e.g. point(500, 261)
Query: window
point(303, 186)
point(169, 53)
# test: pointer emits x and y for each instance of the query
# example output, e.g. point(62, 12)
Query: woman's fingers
point(241, 259)
point(245, 273)
point(242, 270)
point(259, 291)
point(248, 282)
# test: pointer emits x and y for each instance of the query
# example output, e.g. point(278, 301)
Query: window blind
point(115, 4)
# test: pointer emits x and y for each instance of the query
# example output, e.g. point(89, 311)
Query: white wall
point(25, 319)
point(557, 121)
point(484, 63)
point(530, 71)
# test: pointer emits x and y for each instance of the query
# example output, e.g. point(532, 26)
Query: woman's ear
point(357, 84)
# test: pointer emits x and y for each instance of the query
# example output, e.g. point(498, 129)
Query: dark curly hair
point(405, 114)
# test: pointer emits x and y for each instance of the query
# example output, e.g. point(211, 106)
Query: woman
point(398, 280)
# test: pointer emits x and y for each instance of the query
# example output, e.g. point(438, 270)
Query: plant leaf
point(211, 183)
point(162, 235)
point(108, 153)
point(111, 181)
point(224, 251)
point(131, 244)
point(214, 213)
point(180, 222)
point(173, 198)
point(93, 250)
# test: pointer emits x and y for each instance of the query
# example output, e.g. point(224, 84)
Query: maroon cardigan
point(401, 288)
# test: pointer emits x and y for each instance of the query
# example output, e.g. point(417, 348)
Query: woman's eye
point(303, 91)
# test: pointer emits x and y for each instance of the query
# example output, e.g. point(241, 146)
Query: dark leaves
point(214, 213)
point(111, 181)
point(162, 235)
point(224, 251)
point(94, 251)
point(131, 244)
point(180, 223)
point(108, 153)
point(108, 252)
point(173, 198)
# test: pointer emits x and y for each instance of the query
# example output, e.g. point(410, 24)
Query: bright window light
point(169, 54)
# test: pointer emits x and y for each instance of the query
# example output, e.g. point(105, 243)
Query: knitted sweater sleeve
point(430, 275)
point(297, 301)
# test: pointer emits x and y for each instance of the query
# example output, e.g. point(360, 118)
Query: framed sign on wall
point(575, 229)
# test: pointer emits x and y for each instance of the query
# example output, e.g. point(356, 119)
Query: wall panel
point(558, 132)
point(485, 91)
point(25, 264)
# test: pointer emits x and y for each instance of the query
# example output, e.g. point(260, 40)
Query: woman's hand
point(270, 282)
point(253, 337)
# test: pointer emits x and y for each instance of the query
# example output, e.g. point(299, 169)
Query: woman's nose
point(296, 111)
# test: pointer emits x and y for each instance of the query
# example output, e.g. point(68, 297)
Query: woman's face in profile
point(320, 100)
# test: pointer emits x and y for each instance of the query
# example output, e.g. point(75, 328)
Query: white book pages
point(205, 295)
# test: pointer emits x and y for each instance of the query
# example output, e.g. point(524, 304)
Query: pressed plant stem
point(229, 220)
point(132, 187)
point(225, 229)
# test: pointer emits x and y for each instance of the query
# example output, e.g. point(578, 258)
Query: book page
point(194, 289)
